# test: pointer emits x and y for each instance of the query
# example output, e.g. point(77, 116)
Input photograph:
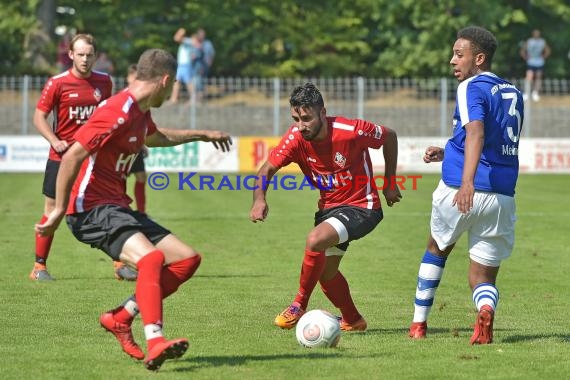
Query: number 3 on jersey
point(513, 111)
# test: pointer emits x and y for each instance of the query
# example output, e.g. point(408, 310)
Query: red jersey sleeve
point(286, 151)
point(50, 93)
point(370, 135)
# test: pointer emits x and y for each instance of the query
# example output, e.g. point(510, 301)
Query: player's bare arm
point(259, 208)
point(433, 154)
point(474, 140)
point(68, 170)
point(43, 127)
point(172, 137)
point(390, 150)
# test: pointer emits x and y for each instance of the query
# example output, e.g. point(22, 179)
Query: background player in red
point(333, 154)
point(91, 186)
point(72, 96)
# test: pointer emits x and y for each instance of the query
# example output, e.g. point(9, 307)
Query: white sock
point(429, 275)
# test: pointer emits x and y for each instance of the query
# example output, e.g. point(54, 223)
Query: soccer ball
point(318, 328)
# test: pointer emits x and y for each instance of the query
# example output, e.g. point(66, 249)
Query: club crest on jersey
point(339, 159)
point(97, 95)
point(377, 132)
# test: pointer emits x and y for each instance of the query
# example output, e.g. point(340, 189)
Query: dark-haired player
point(332, 152)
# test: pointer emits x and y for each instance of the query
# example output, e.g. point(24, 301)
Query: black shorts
point(50, 176)
point(138, 165)
point(535, 68)
point(108, 227)
point(358, 221)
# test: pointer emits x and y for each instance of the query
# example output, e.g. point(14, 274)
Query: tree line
point(289, 38)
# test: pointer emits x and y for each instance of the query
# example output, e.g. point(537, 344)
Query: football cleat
point(418, 330)
point(170, 349)
point(289, 317)
point(359, 325)
point(40, 273)
point(483, 333)
point(124, 272)
point(123, 333)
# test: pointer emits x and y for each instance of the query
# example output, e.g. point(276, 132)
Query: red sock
point(313, 267)
point(338, 292)
point(121, 315)
point(43, 245)
point(126, 312)
point(177, 273)
point(140, 197)
point(148, 292)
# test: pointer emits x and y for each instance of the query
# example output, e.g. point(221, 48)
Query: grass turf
point(250, 272)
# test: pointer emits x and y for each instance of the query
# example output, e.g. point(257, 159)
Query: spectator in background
point(104, 64)
point(189, 59)
point(208, 57)
point(208, 48)
point(535, 51)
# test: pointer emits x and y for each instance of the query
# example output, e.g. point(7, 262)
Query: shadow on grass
point(431, 331)
point(528, 338)
point(467, 331)
point(236, 360)
point(230, 275)
point(110, 278)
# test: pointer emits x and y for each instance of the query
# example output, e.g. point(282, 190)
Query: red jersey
point(339, 166)
point(113, 136)
point(72, 101)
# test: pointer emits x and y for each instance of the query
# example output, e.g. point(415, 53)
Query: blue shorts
point(184, 73)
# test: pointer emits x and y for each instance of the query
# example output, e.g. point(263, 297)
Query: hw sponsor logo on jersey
point(125, 162)
point(81, 113)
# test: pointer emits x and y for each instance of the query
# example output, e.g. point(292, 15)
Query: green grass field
point(249, 273)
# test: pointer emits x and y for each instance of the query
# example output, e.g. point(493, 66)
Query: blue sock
point(429, 275)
